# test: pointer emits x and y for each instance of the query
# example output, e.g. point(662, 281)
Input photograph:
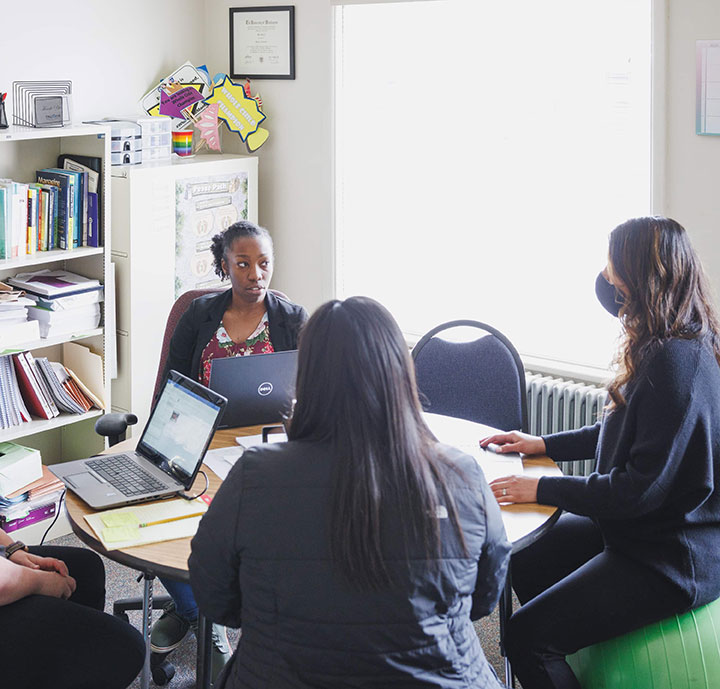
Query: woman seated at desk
point(55, 633)
point(245, 319)
point(355, 554)
point(641, 540)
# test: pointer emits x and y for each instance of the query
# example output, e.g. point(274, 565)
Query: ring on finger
point(504, 492)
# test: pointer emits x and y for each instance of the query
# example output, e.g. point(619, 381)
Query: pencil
point(171, 519)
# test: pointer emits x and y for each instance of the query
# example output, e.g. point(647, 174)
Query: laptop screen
point(180, 427)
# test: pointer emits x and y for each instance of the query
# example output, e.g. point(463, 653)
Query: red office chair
point(114, 425)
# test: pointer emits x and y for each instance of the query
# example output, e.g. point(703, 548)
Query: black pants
point(576, 593)
point(73, 644)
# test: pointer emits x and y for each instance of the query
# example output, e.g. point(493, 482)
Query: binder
point(30, 389)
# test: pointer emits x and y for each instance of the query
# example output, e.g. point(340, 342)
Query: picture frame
point(262, 42)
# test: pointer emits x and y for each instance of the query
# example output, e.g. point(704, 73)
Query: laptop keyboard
point(125, 475)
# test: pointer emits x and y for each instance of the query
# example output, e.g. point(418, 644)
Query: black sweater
point(655, 495)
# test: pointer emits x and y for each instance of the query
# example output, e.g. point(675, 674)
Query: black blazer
point(203, 317)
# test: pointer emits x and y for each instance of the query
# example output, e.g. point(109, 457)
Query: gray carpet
point(122, 583)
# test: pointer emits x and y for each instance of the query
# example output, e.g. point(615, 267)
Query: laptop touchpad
point(84, 480)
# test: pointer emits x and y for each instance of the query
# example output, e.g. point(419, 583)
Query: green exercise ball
point(681, 652)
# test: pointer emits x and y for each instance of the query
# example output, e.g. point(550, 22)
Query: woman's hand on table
point(515, 441)
point(515, 489)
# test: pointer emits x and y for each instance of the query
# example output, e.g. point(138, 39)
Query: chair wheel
point(122, 616)
point(162, 673)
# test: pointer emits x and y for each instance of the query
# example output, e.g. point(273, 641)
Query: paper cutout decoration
point(184, 76)
point(174, 103)
point(208, 125)
point(240, 113)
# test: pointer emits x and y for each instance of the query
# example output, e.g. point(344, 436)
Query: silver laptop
point(168, 455)
point(260, 388)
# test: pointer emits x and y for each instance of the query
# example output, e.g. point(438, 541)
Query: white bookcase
point(151, 209)
point(24, 150)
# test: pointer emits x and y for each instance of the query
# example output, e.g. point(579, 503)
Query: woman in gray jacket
point(357, 553)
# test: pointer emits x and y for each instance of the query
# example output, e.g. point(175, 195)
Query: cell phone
point(277, 431)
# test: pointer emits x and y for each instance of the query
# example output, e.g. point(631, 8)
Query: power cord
point(181, 494)
point(57, 514)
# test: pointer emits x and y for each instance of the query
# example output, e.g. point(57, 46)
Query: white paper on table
point(223, 459)
point(248, 441)
point(493, 465)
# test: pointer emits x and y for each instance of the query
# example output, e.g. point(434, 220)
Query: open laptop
point(259, 388)
point(168, 455)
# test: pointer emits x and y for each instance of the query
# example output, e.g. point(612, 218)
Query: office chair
point(114, 426)
point(481, 381)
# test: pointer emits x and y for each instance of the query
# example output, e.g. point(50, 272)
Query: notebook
point(168, 455)
point(259, 388)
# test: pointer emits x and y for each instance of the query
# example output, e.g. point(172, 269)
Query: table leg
point(146, 624)
point(204, 653)
point(505, 612)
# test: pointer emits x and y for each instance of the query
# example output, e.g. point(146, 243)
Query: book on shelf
point(92, 165)
point(37, 400)
point(19, 466)
point(41, 382)
point(33, 503)
point(68, 302)
point(64, 204)
point(78, 202)
point(13, 411)
point(78, 319)
point(67, 395)
point(53, 283)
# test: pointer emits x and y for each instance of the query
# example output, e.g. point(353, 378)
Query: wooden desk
point(523, 523)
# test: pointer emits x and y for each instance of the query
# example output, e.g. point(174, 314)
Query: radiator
point(556, 405)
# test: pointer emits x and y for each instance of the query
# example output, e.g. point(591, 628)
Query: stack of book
point(57, 211)
point(14, 324)
point(32, 503)
point(41, 388)
point(64, 302)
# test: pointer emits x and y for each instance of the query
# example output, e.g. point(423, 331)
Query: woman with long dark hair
point(641, 537)
point(355, 554)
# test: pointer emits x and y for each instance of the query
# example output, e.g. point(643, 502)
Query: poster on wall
point(707, 87)
point(204, 206)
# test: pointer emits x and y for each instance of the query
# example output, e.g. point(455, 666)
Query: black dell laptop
point(260, 388)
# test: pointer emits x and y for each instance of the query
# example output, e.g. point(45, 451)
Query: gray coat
point(260, 561)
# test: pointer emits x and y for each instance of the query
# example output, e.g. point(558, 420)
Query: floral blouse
point(221, 345)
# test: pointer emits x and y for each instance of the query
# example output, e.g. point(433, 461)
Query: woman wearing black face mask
point(640, 539)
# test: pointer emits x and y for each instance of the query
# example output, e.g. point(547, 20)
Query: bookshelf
point(24, 150)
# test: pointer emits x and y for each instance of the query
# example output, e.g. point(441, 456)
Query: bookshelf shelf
point(41, 257)
point(51, 341)
point(42, 425)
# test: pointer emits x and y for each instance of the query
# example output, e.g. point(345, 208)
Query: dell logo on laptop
point(265, 389)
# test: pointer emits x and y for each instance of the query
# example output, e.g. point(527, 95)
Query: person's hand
point(515, 489)
point(48, 564)
point(515, 441)
point(54, 584)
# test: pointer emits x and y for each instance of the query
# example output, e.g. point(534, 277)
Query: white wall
point(114, 52)
point(295, 163)
point(693, 162)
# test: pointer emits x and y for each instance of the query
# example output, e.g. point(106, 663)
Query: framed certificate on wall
point(262, 42)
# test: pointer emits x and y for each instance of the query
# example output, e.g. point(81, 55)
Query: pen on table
point(171, 519)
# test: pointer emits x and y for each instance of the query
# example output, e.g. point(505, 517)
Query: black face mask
point(610, 297)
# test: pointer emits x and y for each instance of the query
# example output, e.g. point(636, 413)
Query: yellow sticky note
point(115, 534)
point(113, 519)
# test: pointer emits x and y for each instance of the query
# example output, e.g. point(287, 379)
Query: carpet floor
point(121, 582)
